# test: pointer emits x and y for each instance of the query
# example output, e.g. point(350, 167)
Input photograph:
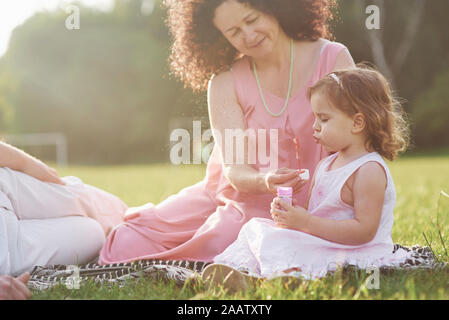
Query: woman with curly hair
point(256, 58)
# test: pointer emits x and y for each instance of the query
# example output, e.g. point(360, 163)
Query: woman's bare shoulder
point(224, 109)
point(221, 89)
point(344, 60)
point(221, 80)
point(225, 79)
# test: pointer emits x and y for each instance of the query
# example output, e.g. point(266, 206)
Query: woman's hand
point(284, 177)
point(287, 216)
point(39, 170)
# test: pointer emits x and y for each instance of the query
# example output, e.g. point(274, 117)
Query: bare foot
point(221, 275)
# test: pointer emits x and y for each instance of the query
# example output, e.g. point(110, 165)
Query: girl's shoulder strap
point(353, 166)
point(324, 164)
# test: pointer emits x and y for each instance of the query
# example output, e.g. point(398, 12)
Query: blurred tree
point(411, 18)
point(6, 109)
point(431, 113)
point(415, 46)
point(107, 86)
point(427, 53)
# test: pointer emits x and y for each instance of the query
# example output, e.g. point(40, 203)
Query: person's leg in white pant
point(45, 223)
point(67, 240)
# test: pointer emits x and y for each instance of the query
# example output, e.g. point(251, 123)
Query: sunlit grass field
point(421, 217)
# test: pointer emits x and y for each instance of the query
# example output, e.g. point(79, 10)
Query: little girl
point(349, 213)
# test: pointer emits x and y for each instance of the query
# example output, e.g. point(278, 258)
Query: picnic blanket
point(42, 278)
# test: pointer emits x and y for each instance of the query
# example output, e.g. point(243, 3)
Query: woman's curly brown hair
point(199, 49)
point(365, 90)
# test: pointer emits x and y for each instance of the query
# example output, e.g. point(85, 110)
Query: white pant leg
point(8, 238)
point(30, 198)
point(29, 243)
point(45, 223)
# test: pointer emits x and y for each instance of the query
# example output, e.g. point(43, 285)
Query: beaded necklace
point(289, 85)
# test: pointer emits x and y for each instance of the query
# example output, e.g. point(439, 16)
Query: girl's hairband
point(336, 78)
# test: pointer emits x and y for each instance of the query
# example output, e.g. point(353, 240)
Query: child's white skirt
point(265, 250)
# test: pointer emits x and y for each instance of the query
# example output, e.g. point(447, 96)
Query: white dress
point(264, 250)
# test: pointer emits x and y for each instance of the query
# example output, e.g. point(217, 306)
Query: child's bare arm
point(312, 183)
point(368, 189)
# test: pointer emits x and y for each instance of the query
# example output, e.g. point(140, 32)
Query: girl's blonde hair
point(366, 91)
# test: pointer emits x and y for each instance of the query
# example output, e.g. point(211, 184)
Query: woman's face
point(251, 32)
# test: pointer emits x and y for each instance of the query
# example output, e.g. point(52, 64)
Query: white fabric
point(45, 223)
point(264, 250)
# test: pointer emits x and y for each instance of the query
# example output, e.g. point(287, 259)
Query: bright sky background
point(15, 12)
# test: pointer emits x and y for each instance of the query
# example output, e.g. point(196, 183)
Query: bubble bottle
point(285, 194)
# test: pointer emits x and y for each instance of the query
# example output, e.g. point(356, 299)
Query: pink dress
point(202, 220)
point(263, 249)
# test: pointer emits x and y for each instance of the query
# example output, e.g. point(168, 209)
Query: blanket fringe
point(42, 278)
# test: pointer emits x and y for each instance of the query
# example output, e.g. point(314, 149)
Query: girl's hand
point(39, 170)
point(284, 177)
point(289, 217)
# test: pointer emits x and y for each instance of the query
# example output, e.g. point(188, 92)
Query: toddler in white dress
point(349, 215)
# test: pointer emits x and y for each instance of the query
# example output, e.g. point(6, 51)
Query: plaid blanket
point(179, 271)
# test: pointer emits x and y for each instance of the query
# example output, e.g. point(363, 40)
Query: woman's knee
point(83, 243)
point(72, 240)
point(93, 233)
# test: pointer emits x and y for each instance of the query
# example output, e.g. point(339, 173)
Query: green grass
point(421, 217)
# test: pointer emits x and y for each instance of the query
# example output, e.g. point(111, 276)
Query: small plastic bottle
point(285, 194)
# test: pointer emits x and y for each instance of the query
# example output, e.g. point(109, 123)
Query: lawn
point(421, 217)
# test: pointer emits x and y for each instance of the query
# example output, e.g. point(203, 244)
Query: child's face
point(332, 128)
